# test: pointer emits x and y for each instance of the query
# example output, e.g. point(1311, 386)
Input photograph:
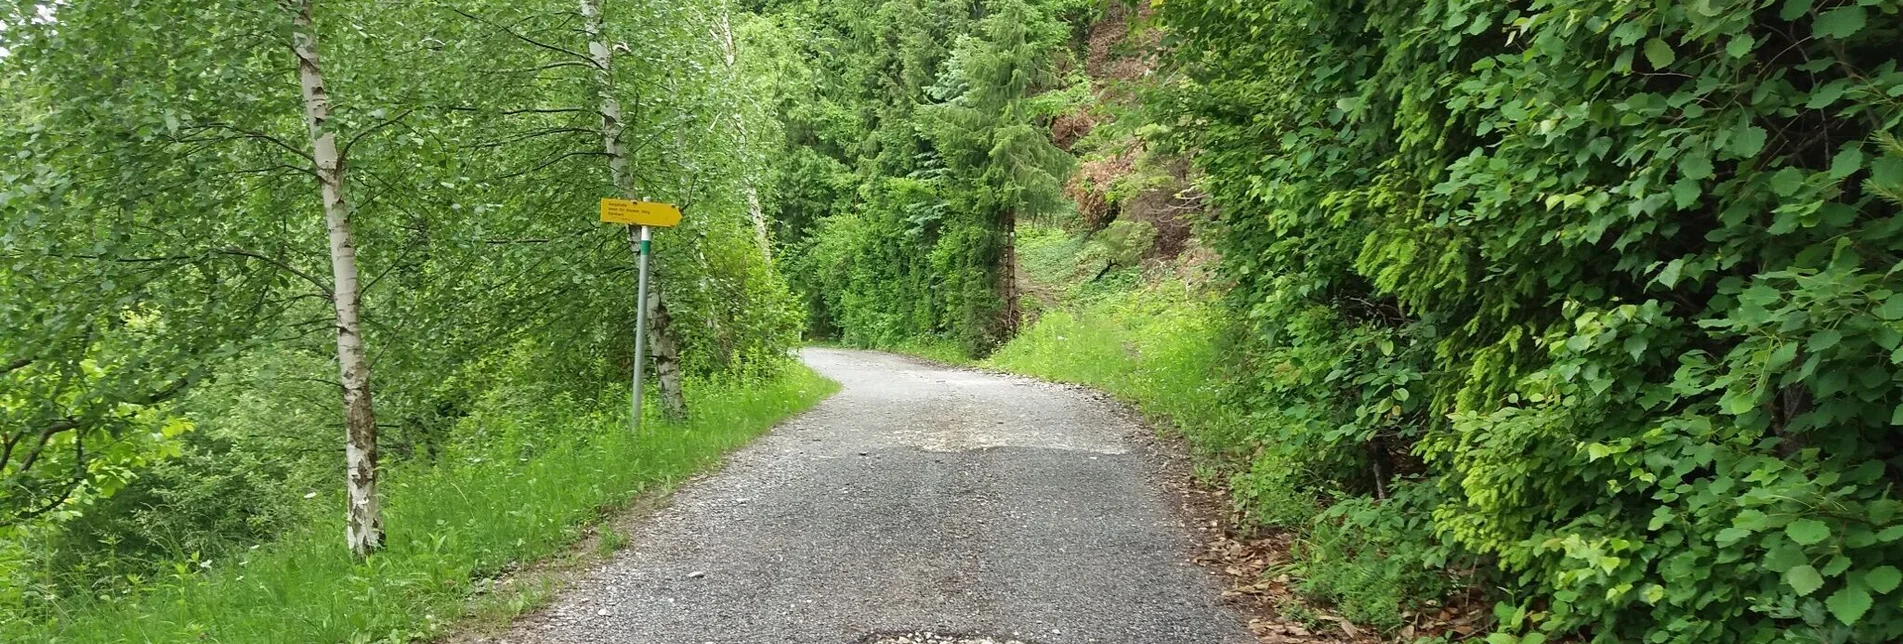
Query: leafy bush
point(1611, 287)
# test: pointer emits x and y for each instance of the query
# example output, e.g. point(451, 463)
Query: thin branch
point(250, 134)
point(518, 35)
point(345, 154)
point(46, 435)
point(546, 164)
point(540, 68)
point(322, 287)
point(79, 476)
point(518, 111)
point(530, 135)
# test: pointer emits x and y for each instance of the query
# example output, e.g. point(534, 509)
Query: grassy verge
point(1155, 347)
point(450, 525)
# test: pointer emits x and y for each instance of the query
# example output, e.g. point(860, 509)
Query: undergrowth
point(468, 519)
point(1165, 348)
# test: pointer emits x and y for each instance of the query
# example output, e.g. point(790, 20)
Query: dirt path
point(919, 499)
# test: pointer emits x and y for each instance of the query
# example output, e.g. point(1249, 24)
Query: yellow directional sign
point(639, 213)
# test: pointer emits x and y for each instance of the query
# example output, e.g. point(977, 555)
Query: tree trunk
point(363, 527)
point(759, 221)
point(667, 359)
point(760, 234)
point(667, 363)
point(1008, 286)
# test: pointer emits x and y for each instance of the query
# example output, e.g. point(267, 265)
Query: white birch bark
point(667, 362)
point(363, 521)
point(725, 35)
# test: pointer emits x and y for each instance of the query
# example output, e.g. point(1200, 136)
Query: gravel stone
point(998, 510)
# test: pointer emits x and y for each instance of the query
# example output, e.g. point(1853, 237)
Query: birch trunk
point(363, 521)
point(1008, 286)
point(725, 36)
point(667, 363)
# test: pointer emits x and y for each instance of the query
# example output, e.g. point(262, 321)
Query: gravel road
point(920, 504)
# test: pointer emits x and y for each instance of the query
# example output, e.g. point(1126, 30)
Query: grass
point(936, 349)
point(450, 527)
point(1155, 347)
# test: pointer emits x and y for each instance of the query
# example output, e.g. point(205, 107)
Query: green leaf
point(1804, 579)
point(1894, 532)
point(1841, 22)
point(1887, 172)
point(1685, 192)
point(1846, 163)
point(1783, 558)
point(1891, 308)
point(1882, 579)
point(1669, 275)
point(1807, 531)
point(1849, 604)
point(1659, 54)
point(1747, 141)
point(1740, 46)
point(1823, 340)
point(1787, 181)
point(1695, 166)
point(1793, 9)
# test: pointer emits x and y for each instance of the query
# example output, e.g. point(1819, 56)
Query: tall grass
point(450, 525)
point(1156, 347)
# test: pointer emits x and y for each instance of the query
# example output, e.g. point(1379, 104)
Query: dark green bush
point(1613, 287)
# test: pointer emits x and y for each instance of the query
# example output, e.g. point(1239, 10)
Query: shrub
point(1611, 287)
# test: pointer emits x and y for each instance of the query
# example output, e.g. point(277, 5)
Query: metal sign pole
point(640, 324)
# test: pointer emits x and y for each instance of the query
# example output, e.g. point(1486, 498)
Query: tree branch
point(530, 135)
point(250, 134)
point(79, 476)
point(345, 153)
point(323, 288)
point(518, 35)
point(546, 164)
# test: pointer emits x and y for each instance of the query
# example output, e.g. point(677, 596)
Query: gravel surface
point(919, 500)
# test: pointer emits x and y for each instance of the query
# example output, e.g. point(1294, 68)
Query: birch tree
point(667, 359)
point(363, 522)
point(750, 176)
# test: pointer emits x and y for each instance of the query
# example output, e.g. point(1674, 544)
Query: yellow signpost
point(639, 213)
point(643, 214)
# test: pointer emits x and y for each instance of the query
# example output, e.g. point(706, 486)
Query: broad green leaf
point(1849, 604)
point(1846, 163)
point(1891, 308)
point(1695, 166)
point(1740, 46)
point(1804, 579)
point(1824, 340)
point(1786, 182)
point(1841, 22)
point(1747, 141)
point(1669, 275)
point(1659, 54)
point(1807, 531)
point(1887, 172)
point(1882, 579)
point(1783, 558)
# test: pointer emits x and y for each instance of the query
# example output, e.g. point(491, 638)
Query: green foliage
point(474, 516)
point(167, 378)
point(1154, 346)
point(911, 155)
point(1607, 289)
